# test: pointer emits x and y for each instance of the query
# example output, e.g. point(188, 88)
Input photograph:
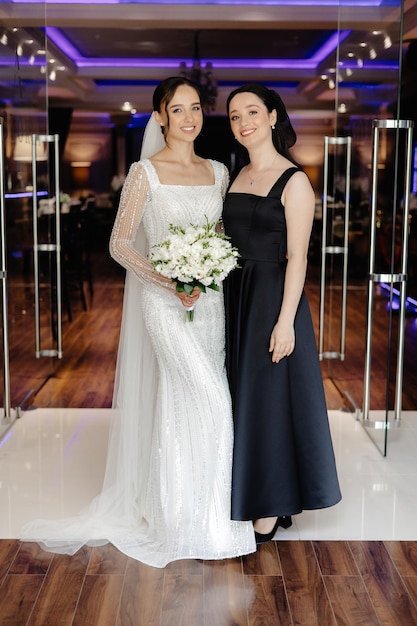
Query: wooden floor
point(284, 583)
point(84, 378)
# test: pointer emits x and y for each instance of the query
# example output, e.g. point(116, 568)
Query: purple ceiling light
point(57, 37)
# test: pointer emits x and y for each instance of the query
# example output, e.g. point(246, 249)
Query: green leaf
point(201, 287)
point(188, 288)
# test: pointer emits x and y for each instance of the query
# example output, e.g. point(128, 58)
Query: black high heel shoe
point(285, 521)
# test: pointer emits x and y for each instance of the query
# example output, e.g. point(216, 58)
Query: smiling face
point(182, 116)
point(250, 119)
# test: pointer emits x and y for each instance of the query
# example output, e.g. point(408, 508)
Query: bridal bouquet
point(194, 256)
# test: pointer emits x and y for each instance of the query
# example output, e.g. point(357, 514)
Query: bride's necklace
point(252, 181)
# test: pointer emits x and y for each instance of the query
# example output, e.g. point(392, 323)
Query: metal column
point(399, 126)
point(334, 250)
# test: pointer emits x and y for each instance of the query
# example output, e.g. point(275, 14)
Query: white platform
point(52, 463)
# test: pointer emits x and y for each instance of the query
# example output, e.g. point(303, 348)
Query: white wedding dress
point(166, 492)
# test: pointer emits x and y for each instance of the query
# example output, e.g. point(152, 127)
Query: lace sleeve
point(133, 200)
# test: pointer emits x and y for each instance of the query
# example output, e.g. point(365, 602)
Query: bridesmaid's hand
point(189, 300)
point(282, 342)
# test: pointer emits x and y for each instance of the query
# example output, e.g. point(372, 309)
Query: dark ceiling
point(97, 56)
point(183, 43)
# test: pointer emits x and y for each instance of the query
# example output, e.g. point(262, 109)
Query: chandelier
point(203, 77)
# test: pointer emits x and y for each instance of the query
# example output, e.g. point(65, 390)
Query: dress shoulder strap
point(233, 176)
point(150, 172)
point(278, 186)
point(285, 176)
point(219, 170)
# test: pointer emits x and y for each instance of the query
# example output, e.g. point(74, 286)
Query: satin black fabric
point(283, 454)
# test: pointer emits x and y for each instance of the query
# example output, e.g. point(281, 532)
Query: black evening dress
point(283, 453)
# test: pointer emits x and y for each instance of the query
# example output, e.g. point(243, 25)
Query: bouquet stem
point(189, 313)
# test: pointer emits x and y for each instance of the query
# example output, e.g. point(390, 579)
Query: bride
point(166, 492)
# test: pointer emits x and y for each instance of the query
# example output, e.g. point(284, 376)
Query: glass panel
point(369, 41)
point(24, 107)
point(370, 45)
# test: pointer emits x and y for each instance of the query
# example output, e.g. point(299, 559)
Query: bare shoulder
point(298, 195)
point(300, 178)
point(299, 183)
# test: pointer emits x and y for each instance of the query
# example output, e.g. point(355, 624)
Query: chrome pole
point(58, 248)
point(323, 247)
point(332, 250)
point(404, 262)
point(47, 247)
point(368, 345)
point(392, 278)
point(3, 276)
point(35, 248)
point(346, 246)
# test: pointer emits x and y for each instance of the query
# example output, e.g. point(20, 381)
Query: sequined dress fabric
point(167, 489)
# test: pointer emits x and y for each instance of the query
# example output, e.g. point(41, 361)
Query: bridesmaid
point(283, 454)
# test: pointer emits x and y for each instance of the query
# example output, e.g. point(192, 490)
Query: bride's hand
point(187, 299)
point(282, 341)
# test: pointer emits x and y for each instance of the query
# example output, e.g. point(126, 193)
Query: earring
point(273, 126)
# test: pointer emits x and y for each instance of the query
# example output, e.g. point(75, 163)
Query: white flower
point(196, 255)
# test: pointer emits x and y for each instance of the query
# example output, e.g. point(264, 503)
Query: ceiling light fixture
point(203, 77)
point(126, 106)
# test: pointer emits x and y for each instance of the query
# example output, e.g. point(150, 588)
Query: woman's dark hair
point(283, 136)
point(165, 91)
